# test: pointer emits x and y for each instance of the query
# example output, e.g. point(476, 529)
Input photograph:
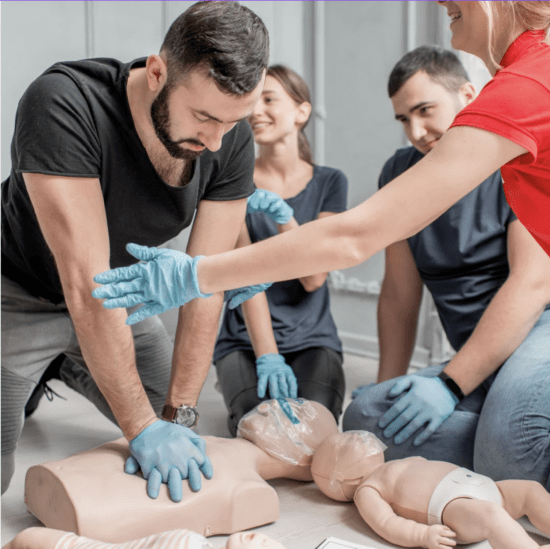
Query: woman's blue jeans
point(501, 430)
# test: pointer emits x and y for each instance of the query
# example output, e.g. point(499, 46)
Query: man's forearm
point(195, 339)
point(506, 322)
point(396, 337)
point(108, 348)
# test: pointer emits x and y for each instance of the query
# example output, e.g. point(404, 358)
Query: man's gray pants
point(34, 332)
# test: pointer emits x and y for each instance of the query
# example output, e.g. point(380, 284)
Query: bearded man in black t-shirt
point(105, 153)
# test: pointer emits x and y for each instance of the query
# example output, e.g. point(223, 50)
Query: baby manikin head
point(343, 460)
point(269, 428)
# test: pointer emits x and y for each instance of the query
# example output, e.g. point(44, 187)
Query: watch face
point(186, 416)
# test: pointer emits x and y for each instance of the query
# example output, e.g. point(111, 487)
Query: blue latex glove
point(166, 452)
point(167, 279)
point(358, 390)
point(270, 204)
point(427, 401)
point(272, 368)
point(236, 297)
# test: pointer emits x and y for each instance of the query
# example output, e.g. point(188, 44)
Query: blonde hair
point(531, 16)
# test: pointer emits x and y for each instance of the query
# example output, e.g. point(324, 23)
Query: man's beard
point(161, 125)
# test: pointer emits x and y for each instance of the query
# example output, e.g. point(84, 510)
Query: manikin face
point(194, 115)
point(251, 540)
point(470, 27)
point(276, 115)
point(426, 109)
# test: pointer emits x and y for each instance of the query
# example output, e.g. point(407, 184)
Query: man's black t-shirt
point(75, 121)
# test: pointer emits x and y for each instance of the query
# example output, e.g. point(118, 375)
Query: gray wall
point(345, 51)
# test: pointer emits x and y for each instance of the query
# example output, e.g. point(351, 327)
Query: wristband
point(452, 385)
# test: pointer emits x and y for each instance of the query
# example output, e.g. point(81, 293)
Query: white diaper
point(461, 483)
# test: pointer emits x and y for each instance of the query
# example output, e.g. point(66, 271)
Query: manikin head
point(428, 87)
point(269, 428)
point(207, 77)
point(486, 29)
point(343, 460)
point(190, 540)
point(283, 111)
point(251, 540)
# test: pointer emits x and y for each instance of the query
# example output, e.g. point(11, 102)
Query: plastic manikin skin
point(405, 501)
point(90, 494)
point(48, 538)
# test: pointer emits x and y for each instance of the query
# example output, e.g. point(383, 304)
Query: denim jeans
point(501, 430)
point(34, 332)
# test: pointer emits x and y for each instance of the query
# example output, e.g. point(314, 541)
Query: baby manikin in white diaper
point(461, 483)
point(415, 502)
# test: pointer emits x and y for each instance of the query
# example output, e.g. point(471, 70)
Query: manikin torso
point(408, 484)
point(90, 494)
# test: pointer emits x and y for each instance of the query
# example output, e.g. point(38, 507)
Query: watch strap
point(452, 385)
point(168, 413)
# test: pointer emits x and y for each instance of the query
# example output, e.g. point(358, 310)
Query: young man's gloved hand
point(424, 400)
point(271, 204)
point(168, 453)
point(272, 370)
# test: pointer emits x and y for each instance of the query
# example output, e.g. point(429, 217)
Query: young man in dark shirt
point(105, 153)
point(483, 269)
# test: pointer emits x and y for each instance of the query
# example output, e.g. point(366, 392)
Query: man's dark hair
point(227, 40)
point(441, 65)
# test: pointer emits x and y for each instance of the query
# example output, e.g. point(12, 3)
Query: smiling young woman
point(289, 327)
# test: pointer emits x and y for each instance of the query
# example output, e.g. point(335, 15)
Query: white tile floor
point(64, 427)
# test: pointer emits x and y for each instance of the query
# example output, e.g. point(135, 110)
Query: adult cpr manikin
point(90, 494)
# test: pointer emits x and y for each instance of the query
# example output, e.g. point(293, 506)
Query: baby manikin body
point(90, 494)
point(414, 502)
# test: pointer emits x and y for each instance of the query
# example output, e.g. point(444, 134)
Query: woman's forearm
point(258, 324)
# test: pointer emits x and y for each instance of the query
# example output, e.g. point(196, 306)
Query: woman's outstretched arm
point(463, 158)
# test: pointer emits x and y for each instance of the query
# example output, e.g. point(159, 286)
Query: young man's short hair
point(227, 40)
point(441, 65)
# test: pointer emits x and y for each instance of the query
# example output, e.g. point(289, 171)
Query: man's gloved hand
point(272, 369)
point(167, 279)
point(236, 297)
point(427, 400)
point(270, 204)
point(166, 452)
point(358, 390)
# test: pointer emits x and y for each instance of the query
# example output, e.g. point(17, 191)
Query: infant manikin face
point(343, 460)
point(251, 540)
point(269, 428)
